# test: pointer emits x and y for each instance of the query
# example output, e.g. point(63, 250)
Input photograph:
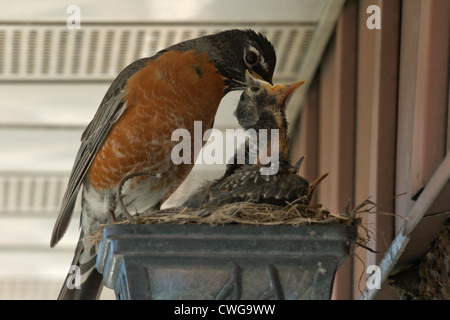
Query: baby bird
point(261, 106)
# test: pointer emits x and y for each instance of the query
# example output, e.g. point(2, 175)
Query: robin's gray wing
point(111, 107)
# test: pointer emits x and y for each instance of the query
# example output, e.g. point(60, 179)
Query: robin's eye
point(251, 57)
point(254, 89)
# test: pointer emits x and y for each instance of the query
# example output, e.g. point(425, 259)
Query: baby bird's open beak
point(281, 92)
point(284, 92)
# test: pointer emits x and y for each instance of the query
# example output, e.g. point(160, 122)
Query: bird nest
point(244, 213)
point(248, 213)
point(434, 270)
point(428, 279)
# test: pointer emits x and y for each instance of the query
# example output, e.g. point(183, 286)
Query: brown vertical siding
point(423, 96)
point(430, 107)
point(337, 119)
point(448, 115)
point(378, 54)
point(407, 91)
point(428, 125)
point(377, 118)
point(306, 142)
point(337, 113)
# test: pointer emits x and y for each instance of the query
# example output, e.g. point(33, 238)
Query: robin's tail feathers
point(83, 281)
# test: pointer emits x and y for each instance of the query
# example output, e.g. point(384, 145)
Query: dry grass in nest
point(243, 213)
point(248, 213)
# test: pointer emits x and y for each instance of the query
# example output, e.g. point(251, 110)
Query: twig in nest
point(120, 195)
point(358, 208)
point(365, 247)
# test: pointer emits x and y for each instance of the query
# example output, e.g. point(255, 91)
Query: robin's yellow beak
point(254, 75)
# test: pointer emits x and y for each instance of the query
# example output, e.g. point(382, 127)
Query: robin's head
point(234, 52)
point(246, 50)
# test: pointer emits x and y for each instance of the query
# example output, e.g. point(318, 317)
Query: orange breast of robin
point(169, 93)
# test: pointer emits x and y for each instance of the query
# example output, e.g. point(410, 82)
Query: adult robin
point(131, 132)
point(262, 106)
